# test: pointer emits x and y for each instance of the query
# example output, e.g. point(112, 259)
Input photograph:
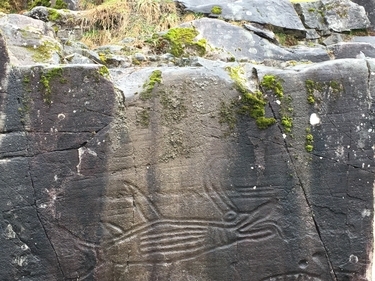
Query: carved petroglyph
point(166, 240)
point(293, 277)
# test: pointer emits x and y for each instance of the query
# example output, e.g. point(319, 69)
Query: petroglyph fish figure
point(168, 240)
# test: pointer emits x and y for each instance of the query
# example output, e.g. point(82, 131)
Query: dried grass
point(116, 19)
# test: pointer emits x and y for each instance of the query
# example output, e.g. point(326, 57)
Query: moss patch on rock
point(315, 89)
point(250, 103)
point(309, 140)
point(216, 10)
point(154, 79)
point(272, 83)
point(46, 78)
point(103, 71)
point(44, 52)
point(59, 4)
point(182, 43)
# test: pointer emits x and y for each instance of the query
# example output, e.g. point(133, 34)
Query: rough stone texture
point(369, 6)
point(249, 45)
point(163, 191)
point(120, 183)
point(345, 15)
point(52, 168)
point(275, 12)
point(29, 41)
point(352, 50)
point(339, 16)
point(312, 15)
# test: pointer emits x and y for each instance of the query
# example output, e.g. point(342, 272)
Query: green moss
point(181, 40)
point(60, 4)
point(216, 10)
point(309, 147)
point(174, 109)
point(103, 57)
point(103, 71)
point(264, 122)
point(311, 99)
point(144, 118)
point(286, 39)
point(238, 76)
point(154, 79)
point(53, 15)
point(46, 79)
point(312, 86)
point(336, 86)
point(250, 103)
point(273, 83)
point(287, 123)
point(43, 52)
point(309, 140)
point(227, 115)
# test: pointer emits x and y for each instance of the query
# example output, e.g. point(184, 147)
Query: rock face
point(260, 169)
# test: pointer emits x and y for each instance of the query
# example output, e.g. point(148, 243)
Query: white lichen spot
point(21, 260)
point(91, 152)
point(284, 136)
point(61, 116)
point(55, 178)
point(43, 206)
point(366, 213)
point(278, 102)
point(9, 232)
point(353, 259)
point(80, 153)
point(314, 119)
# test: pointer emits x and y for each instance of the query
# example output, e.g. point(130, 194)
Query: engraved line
point(172, 236)
point(172, 240)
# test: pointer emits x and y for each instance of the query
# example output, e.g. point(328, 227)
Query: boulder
point(339, 16)
point(369, 6)
point(251, 162)
point(345, 15)
point(249, 45)
point(279, 13)
point(29, 41)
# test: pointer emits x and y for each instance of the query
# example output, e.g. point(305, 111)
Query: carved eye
point(230, 216)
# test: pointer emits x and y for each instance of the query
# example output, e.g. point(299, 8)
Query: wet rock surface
point(253, 161)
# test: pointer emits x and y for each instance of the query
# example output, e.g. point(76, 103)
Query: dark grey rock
point(169, 181)
point(275, 12)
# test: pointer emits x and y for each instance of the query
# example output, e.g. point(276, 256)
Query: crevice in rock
point(43, 227)
point(309, 204)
